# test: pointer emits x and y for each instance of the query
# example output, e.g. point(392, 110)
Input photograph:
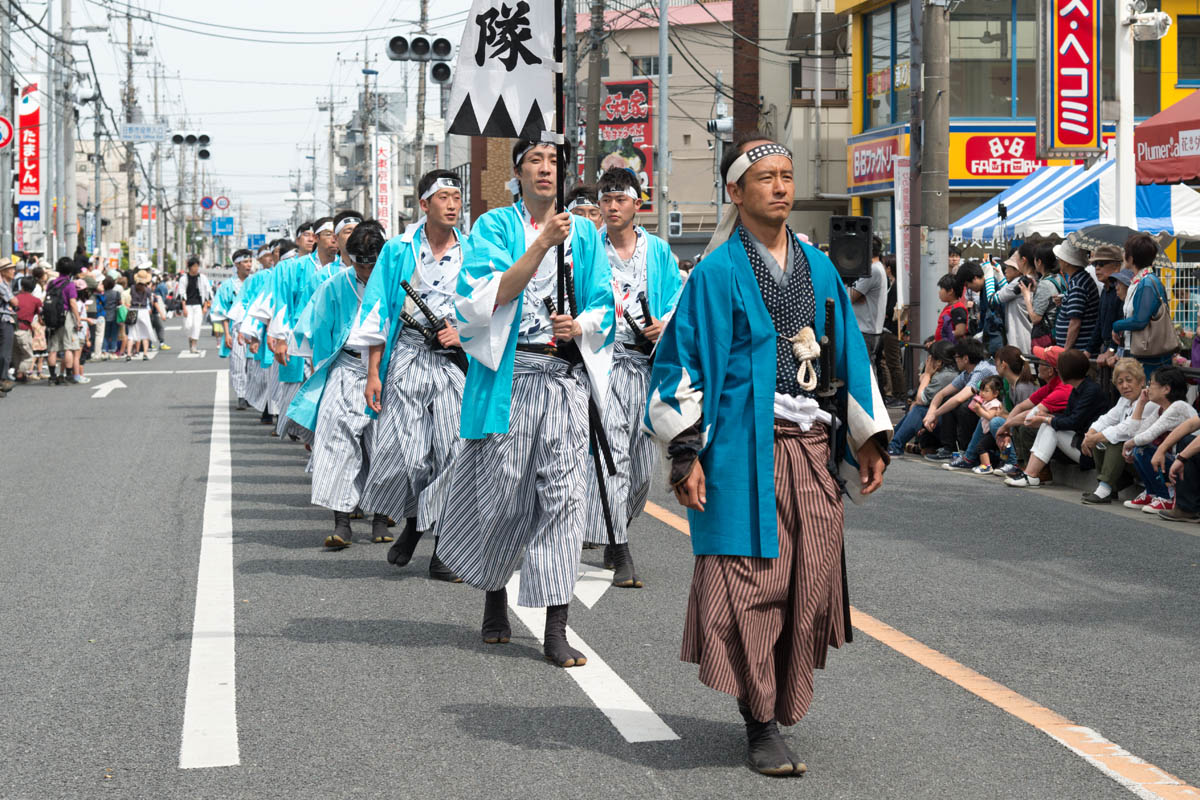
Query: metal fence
point(1182, 282)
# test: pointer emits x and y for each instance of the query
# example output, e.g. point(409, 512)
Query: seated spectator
point(987, 405)
point(939, 371)
point(1116, 426)
point(948, 414)
point(1063, 431)
point(1017, 385)
point(1168, 390)
point(1184, 475)
point(1025, 418)
point(1142, 300)
point(952, 322)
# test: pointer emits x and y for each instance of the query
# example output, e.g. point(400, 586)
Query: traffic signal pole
point(418, 157)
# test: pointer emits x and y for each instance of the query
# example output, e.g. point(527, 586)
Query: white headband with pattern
point(581, 202)
point(342, 225)
point(738, 168)
point(325, 226)
point(440, 184)
point(628, 191)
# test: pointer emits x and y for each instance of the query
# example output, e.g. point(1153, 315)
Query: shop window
point(835, 80)
point(879, 68)
point(1188, 31)
point(648, 65)
point(982, 59)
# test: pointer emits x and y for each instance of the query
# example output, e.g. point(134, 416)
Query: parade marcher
point(226, 309)
point(330, 403)
point(583, 202)
point(197, 297)
point(732, 396)
point(645, 279)
point(416, 392)
point(260, 359)
point(516, 493)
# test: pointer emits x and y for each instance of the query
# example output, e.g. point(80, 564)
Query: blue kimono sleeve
point(485, 328)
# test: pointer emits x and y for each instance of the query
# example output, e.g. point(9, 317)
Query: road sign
point(222, 203)
point(222, 226)
point(144, 132)
point(6, 132)
point(206, 203)
point(29, 210)
point(254, 240)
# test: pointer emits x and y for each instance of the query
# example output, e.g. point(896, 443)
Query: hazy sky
point(257, 97)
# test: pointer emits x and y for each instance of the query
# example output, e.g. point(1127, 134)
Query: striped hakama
point(758, 627)
point(632, 450)
point(282, 394)
point(237, 368)
point(257, 389)
point(516, 498)
point(339, 460)
point(415, 439)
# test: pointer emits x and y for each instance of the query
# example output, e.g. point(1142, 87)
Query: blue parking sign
point(29, 210)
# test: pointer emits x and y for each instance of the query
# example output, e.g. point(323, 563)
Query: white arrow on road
point(108, 387)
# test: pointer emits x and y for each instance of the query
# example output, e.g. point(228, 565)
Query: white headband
point(286, 253)
point(327, 226)
point(581, 202)
point(347, 221)
point(241, 258)
point(628, 191)
point(262, 251)
point(738, 168)
point(442, 183)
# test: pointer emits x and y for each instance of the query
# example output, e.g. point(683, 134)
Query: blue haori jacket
point(716, 363)
point(222, 307)
point(489, 332)
point(379, 321)
point(320, 333)
point(252, 291)
point(663, 281)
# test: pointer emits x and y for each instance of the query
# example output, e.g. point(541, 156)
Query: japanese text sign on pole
point(6, 132)
point(383, 182)
point(1068, 79)
point(627, 133)
point(504, 80)
point(29, 210)
point(29, 172)
point(222, 226)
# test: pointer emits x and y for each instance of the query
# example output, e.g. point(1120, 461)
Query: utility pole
point(418, 157)
point(935, 157)
point(570, 90)
point(313, 204)
point(180, 217)
point(131, 182)
point(1126, 168)
point(69, 203)
point(6, 110)
point(819, 46)
point(97, 162)
point(591, 163)
point(332, 145)
point(364, 115)
point(50, 210)
point(156, 191)
point(663, 162)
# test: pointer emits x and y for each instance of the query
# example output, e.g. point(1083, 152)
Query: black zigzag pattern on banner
point(499, 123)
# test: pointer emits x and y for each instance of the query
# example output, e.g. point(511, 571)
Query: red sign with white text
point(627, 133)
point(1075, 72)
point(29, 171)
point(871, 162)
point(1002, 156)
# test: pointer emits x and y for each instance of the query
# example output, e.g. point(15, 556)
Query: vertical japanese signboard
point(1069, 79)
point(29, 173)
point(627, 133)
point(383, 182)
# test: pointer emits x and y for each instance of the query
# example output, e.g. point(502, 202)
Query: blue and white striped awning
point(1060, 200)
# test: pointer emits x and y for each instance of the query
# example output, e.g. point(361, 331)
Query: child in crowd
point(952, 322)
point(987, 405)
point(938, 373)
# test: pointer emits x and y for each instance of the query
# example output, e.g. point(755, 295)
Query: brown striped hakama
point(758, 627)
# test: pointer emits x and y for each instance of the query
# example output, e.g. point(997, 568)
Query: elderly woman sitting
point(1115, 427)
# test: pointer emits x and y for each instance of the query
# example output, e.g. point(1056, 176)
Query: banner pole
point(561, 169)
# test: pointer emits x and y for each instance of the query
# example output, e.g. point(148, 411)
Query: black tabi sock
point(556, 648)
point(496, 629)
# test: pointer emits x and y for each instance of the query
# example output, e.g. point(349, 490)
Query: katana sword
point(436, 324)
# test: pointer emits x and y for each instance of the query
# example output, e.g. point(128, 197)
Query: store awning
point(1059, 200)
point(1167, 145)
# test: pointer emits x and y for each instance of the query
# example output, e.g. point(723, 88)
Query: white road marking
point(172, 327)
point(628, 713)
point(108, 387)
point(592, 584)
point(210, 735)
point(197, 354)
point(158, 372)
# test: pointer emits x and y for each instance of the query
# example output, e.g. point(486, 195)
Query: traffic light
point(722, 126)
point(203, 139)
point(674, 224)
point(194, 139)
point(422, 48)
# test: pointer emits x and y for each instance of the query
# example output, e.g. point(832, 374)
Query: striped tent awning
point(1061, 200)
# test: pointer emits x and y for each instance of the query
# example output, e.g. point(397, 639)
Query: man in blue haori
point(732, 394)
point(415, 389)
point(260, 361)
point(516, 496)
point(330, 402)
point(646, 283)
point(225, 309)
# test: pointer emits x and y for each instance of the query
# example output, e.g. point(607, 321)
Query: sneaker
point(895, 402)
point(941, 454)
point(1138, 502)
point(982, 469)
point(128, 357)
point(895, 452)
point(1158, 504)
point(1023, 482)
point(1179, 515)
point(145, 357)
point(958, 462)
point(82, 379)
point(1007, 471)
point(1093, 499)
point(164, 347)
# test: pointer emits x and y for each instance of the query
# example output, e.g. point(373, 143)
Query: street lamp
point(1135, 23)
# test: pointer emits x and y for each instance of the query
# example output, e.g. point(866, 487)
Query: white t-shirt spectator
point(870, 311)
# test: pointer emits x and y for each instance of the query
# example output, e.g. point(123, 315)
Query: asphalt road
point(355, 679)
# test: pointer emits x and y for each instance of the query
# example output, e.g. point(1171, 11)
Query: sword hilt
point(408, 319)
point(632, 323)
point(436, 323)
point(647, 317)
point(551, 307)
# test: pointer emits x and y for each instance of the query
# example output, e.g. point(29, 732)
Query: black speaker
point(850, 246)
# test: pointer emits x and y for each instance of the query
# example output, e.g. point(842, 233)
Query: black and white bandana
point(791, 307)
point(738, 168)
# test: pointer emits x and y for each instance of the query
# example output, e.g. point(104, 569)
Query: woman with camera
point(1021, 275)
